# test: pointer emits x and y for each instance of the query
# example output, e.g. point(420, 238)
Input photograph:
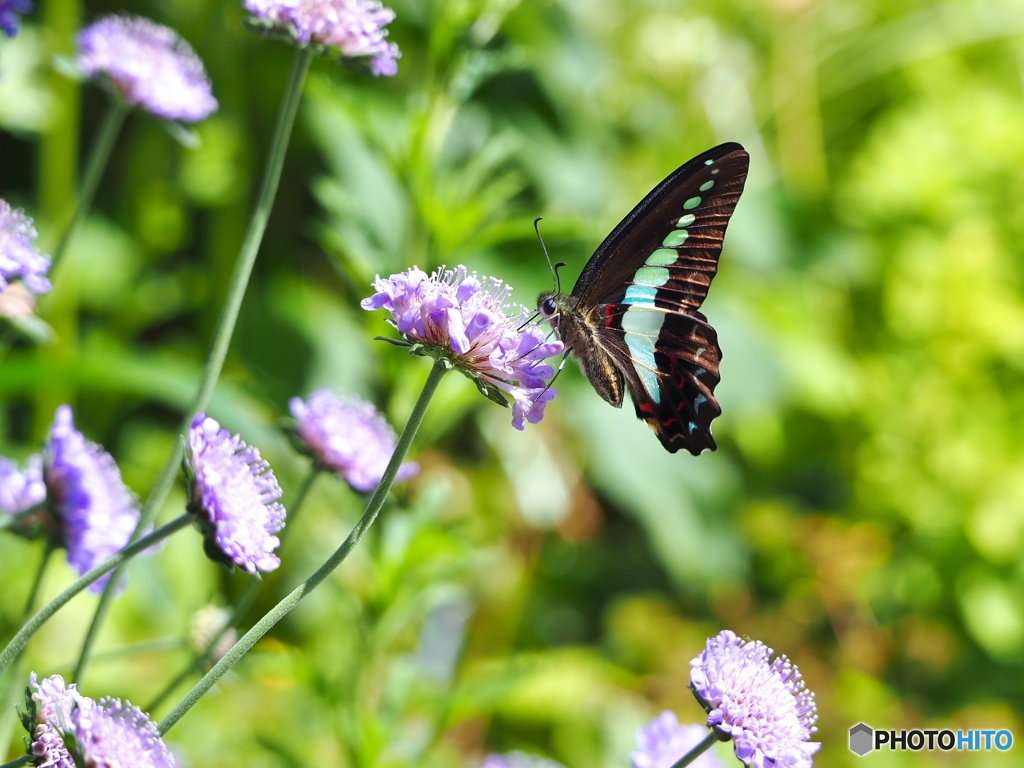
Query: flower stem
point(242, 604)
point(279, 611)
point(225, 326)
point(33, 595)
point(23, 760)
point(697, 751)
point(20, 640)
point(13, 687)
point(97, 164)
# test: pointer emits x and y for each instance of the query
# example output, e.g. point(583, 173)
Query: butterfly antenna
point(554, 268)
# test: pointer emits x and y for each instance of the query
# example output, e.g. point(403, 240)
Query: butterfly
point(632, 318)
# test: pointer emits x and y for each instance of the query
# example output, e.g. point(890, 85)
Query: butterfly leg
point(558, 370)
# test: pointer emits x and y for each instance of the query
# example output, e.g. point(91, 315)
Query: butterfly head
point(547, 304)
point(551, 305)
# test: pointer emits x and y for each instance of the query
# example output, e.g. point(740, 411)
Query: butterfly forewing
point(646, 282)
point(676, 230)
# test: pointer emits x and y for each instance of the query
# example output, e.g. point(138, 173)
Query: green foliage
point(545, 591)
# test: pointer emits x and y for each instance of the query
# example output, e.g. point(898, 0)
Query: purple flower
point(765, 708)
point(71, 729)
point(19, 259)
point(234, 497)
point(21, 490)
point(349, 29)
point(663, 742)
point(466, 320)
point(149, 65)
point(349, 437)
point(49, 705)
point(9, 10)
point(95, 513)
point(518, 760)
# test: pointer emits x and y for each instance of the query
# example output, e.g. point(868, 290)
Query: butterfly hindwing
point(673, 386)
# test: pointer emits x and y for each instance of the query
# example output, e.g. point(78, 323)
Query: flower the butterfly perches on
point(466, 320)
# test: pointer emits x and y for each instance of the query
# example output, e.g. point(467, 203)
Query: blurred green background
point(545, 591)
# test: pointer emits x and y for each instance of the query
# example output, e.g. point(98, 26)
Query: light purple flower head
point(352, 30)
point(95, 513)
point(70, 729)
point(663, 742)
point(518, 760)
point(349, 437)
point(764, 707)
point(234, 497)
point(467, 320)
point(149, 65)
point(19, 259)
point(49, 706)
point(9, 19)
point(20, 490)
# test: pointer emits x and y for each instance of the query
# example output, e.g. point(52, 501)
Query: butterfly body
point(632, 319)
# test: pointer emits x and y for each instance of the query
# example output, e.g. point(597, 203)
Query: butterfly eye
point(548, 308)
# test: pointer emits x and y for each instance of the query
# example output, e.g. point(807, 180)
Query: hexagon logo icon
point(861, 739)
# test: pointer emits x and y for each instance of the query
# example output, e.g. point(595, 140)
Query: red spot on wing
point(609, 311)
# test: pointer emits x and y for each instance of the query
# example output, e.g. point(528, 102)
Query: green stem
point(697, 751)
point(279, 611)
point(257, 226)
point(94, 169)
point(225, 326)
point(14, 688)
point(37, 584)
point(242, 604)
point(148, 647)
point(23, 760)
point(20, 640)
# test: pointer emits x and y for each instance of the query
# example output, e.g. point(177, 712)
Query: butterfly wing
point(680, 215)
point(672, 388)
point(650, 276)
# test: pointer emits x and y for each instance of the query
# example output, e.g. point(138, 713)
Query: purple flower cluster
point(353, 29)
point(149, 65)
point(763, 706)
point(70, 729)
point(349, 437)
point(20, 490)
point(19, 259)
point(467, 320)
point(95, 513)
point(50, 704)
point(234, 497)
point(9, 10)
point(663, 742)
